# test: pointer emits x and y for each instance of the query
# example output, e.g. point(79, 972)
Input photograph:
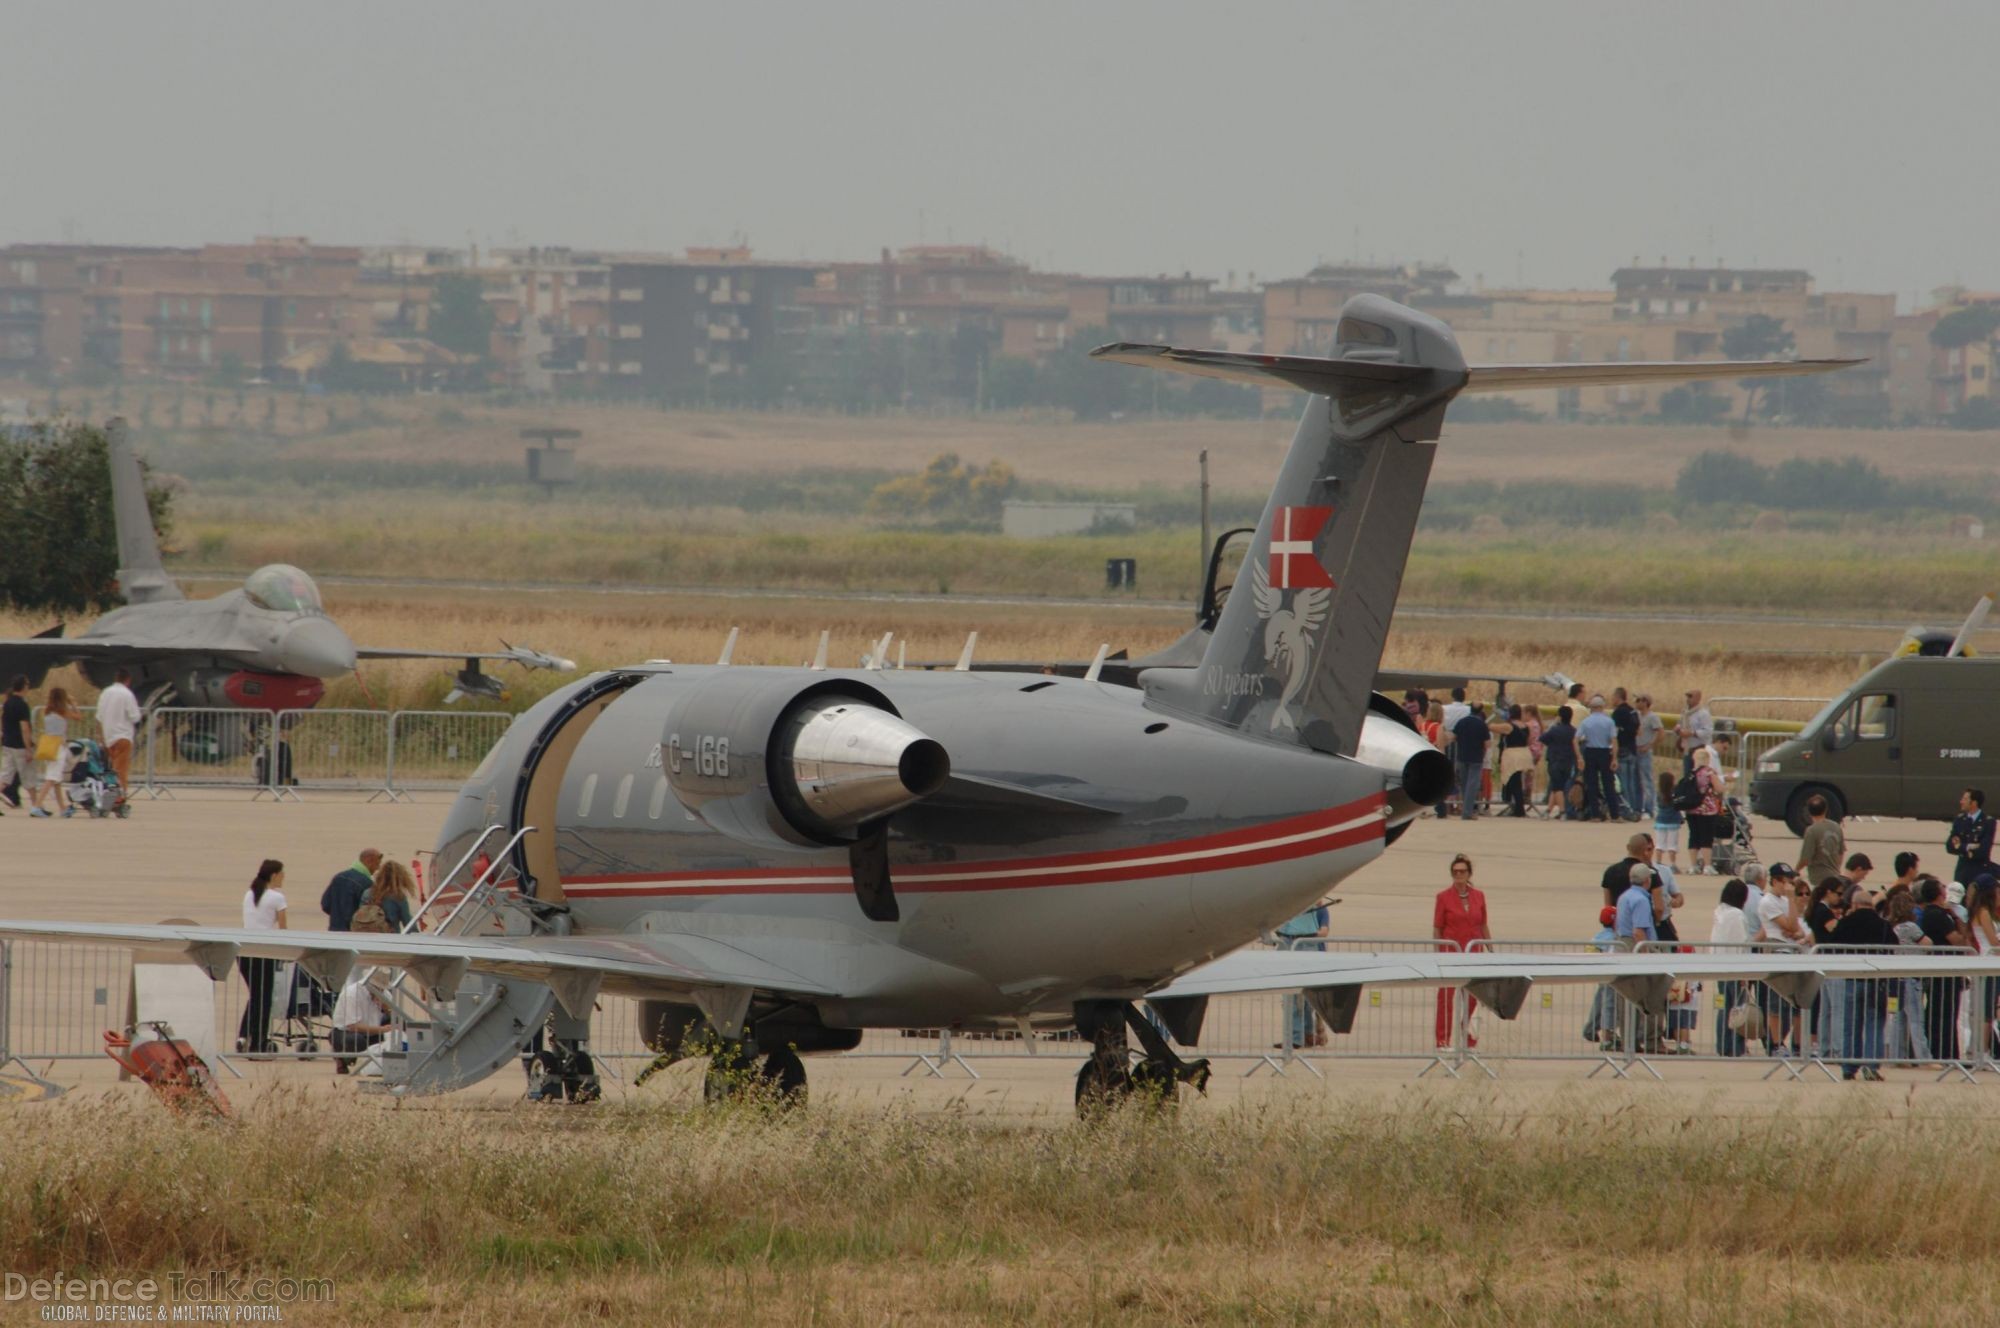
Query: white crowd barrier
point(289, 754)
point(57, 1001)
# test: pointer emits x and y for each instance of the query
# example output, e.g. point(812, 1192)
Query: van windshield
point(1818, 722)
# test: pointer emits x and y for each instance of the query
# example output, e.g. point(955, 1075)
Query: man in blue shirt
point(1635, 911)
point(1471, 735)
point(1598, 736)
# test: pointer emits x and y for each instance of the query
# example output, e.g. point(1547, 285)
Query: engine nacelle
point(1419, 774)
point(763, 760)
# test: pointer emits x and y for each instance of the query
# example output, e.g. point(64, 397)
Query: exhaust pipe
point(1419, 774)
point(851, 763)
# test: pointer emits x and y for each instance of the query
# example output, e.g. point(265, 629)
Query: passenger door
point(1866, 760)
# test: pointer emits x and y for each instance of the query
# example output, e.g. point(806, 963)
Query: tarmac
point(191, 858)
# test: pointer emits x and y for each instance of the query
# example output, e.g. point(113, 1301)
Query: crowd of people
point(1588, 758)
point(374, 893)
point(37, 761)
point(1825, 898)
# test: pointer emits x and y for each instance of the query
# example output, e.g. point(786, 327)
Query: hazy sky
point(1538, 142)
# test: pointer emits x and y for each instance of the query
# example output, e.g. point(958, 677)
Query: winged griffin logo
point(1294, 569)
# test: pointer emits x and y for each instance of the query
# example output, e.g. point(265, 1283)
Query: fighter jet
point(268, 645)
point(775, 859)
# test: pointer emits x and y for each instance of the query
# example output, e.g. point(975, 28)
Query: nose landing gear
point(1110, 1076)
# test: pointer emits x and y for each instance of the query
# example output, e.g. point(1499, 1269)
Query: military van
point(1903, 741)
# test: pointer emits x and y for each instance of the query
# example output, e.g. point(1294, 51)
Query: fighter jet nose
point(315, 648)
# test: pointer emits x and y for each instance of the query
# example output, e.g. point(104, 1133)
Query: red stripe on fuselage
point(1225, 851)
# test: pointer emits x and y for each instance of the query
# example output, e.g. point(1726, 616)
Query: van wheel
point(1796, 816)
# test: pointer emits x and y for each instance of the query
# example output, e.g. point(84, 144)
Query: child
point(1667, 820)
point(1601, 1024)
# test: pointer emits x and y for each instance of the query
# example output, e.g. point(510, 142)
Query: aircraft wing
point(36, 655)
point(526, 657)
point(1293, 970)
point(574, 967)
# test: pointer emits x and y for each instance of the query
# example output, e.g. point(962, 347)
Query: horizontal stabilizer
point(1324, 378)
point(1332, 378)
point(1613, 373)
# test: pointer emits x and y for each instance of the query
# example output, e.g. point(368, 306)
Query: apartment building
point(700, 321)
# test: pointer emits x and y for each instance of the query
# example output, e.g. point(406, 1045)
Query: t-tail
point(1295, 651)
point(142, 578)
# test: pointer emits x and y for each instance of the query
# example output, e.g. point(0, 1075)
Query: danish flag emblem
point(1294, 565)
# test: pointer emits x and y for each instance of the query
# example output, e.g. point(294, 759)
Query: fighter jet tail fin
point(142, 578)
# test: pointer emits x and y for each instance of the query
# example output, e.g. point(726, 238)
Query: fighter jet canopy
point(284, 589)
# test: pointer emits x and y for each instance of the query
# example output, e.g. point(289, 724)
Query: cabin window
point(622, 799)
point(583, 798)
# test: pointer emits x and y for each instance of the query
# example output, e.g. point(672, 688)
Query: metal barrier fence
point(56, 1002)
point(289, 753)
point(439, 749)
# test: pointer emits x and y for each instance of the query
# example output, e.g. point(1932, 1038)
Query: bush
point(1720, 477)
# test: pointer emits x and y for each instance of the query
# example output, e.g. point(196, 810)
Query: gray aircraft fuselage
point(224, 651)
point(1182, 842)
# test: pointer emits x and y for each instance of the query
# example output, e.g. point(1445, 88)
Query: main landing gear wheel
point(559, 1075)
point(735, 1071)
point(1110, 1076)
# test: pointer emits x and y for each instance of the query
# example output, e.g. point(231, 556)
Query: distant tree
point(1210, 396)
point(1798, 400)
point(1847, 485)
point(460, 320)
point(1962, 327)
point(1091, 388)
point(1012, 382)
point(1694, 403)
point(55, 505)
point(946, 492)
point(230, 371)
point(1978, 413)
point(1758, 337)
point(1721, 477)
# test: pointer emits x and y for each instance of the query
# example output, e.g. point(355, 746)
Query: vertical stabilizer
point(1295, 649)
point(142, 578)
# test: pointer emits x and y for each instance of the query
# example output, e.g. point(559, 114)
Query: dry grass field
point(602, 630)
point(1445, 1208)
point(1126, 454)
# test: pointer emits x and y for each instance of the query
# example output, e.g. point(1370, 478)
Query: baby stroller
point(93, 784)
point(1733, 847)
point(305, 1021)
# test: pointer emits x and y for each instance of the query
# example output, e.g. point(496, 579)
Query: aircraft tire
point(1154, 1086)
point(785, 1075)
point(728, 1074)
point(1101, 1087)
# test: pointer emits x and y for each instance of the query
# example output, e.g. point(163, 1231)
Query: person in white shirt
point(1731, 929)
point(263, 910)
point(118, 717)
point(358, 1019)
point(1781, 921)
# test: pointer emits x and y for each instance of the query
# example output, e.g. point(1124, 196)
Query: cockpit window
point(283, 588)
